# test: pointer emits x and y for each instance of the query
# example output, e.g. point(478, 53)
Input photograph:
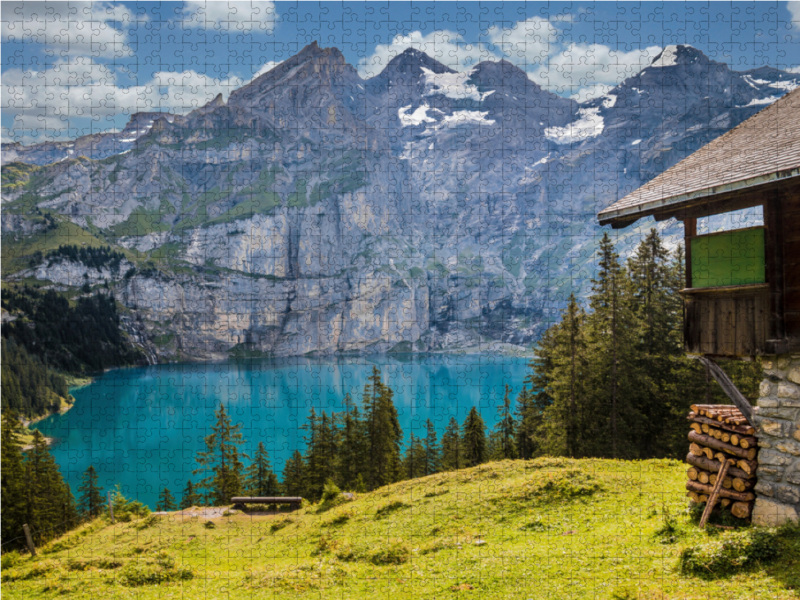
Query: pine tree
point(432, 458)
point(294, 475)
point(473, 439)
point(504, 433)
point(613, 374)
point(321, 453)
point(50, 507)
point(189, 497)
point(352, 461)
point(383, 433)
point(221, 460)
point(166, 502)
point(90, 504)
point(452, 453)
point(260, 481)
point(414, 460)
point(12, 481)
point(529, 417)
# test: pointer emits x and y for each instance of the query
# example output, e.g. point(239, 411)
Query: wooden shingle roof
point(762, 149)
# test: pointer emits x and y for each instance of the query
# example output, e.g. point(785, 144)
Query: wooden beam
point(689, 231)
point(728, 387)
point(773, 241)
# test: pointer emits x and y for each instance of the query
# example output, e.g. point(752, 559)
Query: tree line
point(50, 334)
point(95, 257)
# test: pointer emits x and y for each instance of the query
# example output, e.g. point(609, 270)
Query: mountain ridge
point(423, 209)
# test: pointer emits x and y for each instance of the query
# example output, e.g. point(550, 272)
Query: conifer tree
point(166, 502)
point(294, 475)
point(189, 497)
point(90, 503)
point(432, 458)
point(383, 432)
point(259, 478)
point(12, 481)
point(452, 454)
point(473, 439)
point(613, 375)
point(504, 433)
point(220, 461)
point(50, 507)
point(352, 445)
point(528, 422)
point(414, 460)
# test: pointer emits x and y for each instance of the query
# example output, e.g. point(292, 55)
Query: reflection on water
point(142, 427)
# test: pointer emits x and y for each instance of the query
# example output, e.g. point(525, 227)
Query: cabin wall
point(727, 323)
point(777, 421)
point(790, 217)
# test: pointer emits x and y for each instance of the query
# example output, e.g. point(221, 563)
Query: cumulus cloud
point(231, 15)
point(448, 47)
point(75, 28)
point(526, 43)
point(589, 70)
point(80, 96)
point(794, 11)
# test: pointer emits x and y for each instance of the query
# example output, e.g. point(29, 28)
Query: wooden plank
point(725, 327)
point(689, 231)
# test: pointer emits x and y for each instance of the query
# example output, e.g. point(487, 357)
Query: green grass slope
point(547, 528)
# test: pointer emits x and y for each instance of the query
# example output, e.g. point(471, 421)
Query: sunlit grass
point(548, 528)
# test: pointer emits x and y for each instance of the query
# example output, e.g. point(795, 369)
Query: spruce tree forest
point(610, 379)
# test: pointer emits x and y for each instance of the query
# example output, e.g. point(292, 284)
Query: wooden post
point(110, 508)
point(773, 241)
point(29, 539)
point(712, 499)
point(689, 231)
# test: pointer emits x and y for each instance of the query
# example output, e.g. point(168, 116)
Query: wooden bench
point(240, 501)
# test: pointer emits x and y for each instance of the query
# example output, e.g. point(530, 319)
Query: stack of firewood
point(721, 434)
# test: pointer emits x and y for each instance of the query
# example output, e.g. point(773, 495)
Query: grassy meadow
point(545, 528)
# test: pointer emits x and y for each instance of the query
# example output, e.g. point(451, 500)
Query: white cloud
point(527, 43)
point(445, 46)
point(590, 70)
point(69, 99)
point(266, 68)
point(230, 15)
point(794, 11)
point(75, 28)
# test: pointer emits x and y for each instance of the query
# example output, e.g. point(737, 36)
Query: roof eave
point(630, 214)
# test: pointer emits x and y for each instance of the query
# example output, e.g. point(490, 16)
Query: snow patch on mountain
point(589, 125)
point(668, 58)
point(760, 101)
point(785, 85)
point(453, 85)
point(418, 117)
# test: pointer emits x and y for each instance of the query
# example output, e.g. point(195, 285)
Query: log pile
point(721, 435)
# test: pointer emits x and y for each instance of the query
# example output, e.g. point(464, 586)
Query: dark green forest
point(50, 334)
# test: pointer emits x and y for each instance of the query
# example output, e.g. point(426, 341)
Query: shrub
point(736, 551)
point(125, 510)
point(280, 524)
point(536, 524)
point(84, 564)
point(390, 508)
point(330, 491)
point(150, 571)
point(147, 522)
point(396, 553)
point(9, 559)
point(669, 531)
point(210, 525)
point(337, 520)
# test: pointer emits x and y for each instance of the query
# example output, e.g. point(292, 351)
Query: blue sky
point(72, 68)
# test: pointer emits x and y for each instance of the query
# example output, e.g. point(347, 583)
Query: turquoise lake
point(142, 427)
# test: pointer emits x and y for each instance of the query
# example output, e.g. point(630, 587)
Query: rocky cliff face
point(315, 212)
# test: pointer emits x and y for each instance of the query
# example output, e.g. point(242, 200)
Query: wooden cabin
point(742, 293)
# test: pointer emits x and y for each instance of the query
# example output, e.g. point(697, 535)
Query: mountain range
point(423, 209)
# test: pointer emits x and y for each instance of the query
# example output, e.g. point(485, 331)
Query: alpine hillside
point(316, 212)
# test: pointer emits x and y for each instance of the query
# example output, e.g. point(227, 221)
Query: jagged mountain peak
point(677, 55)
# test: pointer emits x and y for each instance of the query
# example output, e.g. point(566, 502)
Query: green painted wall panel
point(728, 258)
